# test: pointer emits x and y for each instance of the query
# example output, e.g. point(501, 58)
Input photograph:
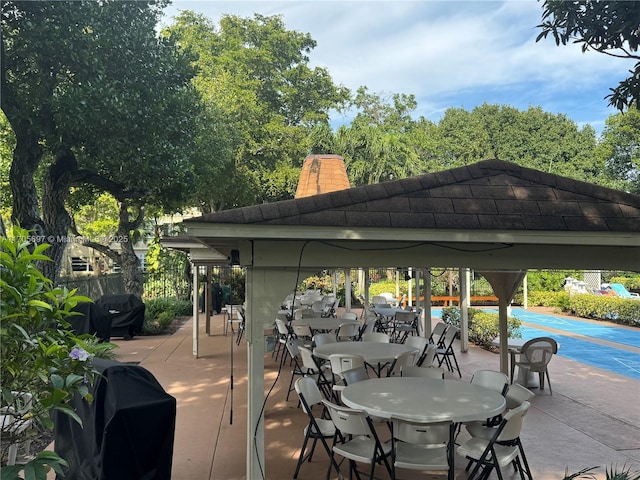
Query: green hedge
point(161, 311)
point(620, 310)
point(544, 299)
point(483, 326)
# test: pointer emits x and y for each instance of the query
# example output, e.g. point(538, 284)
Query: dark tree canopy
point(96, 100)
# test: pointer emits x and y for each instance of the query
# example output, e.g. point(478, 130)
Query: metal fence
point(157, 284)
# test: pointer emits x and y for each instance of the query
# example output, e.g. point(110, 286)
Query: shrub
point(546, 299)
point(483, 326)
point(620, 310)
point(160, 312)
point(40, 355)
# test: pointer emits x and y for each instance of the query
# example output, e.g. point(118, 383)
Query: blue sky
point(447, 53)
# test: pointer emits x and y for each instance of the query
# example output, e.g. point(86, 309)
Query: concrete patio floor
point(592, 419)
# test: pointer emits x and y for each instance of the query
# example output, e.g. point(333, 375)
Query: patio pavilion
point(493, 216)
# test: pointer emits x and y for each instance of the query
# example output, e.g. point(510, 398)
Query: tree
point(376, 145)
point(532, 138)
point(96, 99)
point(255, 75)
point(619, 149)
point(609, 27)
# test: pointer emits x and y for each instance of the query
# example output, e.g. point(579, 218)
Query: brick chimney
point(321, 174)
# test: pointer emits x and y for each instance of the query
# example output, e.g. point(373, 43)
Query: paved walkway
point(592, 418)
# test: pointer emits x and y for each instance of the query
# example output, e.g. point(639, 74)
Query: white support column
point(265, 289)
point(195, 323)
point(255, 364)
point(465, 301)
point(347, 289)
point(525, 289)
point(426, 326)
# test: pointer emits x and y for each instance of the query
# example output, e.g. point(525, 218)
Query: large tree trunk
point(57, 221)
point(27, 155)
point(132, 278)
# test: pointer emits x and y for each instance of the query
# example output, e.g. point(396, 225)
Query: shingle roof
point(487, 195)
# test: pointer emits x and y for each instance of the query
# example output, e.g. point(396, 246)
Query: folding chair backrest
point(308, 361)
point(379, 300)
point(318, 306)
point(348, 420)
point(348, 330)
point(348, 316)
point(419, 343)
point(438, 331)
point(429, 355)
point(512, 422)
point(450, 336)
point(401, 360)
point(421, 433)
point(367, 327)
point(491, 379)
point(323, 338)
point(516, 395)
point(283, 330)
point(344, 361)
point(302, 330)
point(307, 387)
point(379, 337)
point(355, 375)
point(293, 345)
point(405, 317)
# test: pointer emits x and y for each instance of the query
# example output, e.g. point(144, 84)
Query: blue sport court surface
point(617, 360)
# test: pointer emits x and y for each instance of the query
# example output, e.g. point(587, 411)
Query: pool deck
point(591, 420)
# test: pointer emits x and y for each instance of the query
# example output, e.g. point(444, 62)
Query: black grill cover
point(94, 319)
point(127, 314)
point(128, 429)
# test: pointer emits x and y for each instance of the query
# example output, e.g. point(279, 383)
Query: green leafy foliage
point(483, 326)
point(610, 474)
point(620, 150)
point(631, 283)
point(263, 98)
point(545, 299)
point(550, 280)
point(160, 312)
point(620, 310)
point(40, 356)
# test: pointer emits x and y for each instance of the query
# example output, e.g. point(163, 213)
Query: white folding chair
point(503, 448)
point(422, 446)
point(356, 439)
point(341, 362)
point(319, 428)
point(445, 354)
point(378, 337)
point(404, 359)
point(348, 331)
